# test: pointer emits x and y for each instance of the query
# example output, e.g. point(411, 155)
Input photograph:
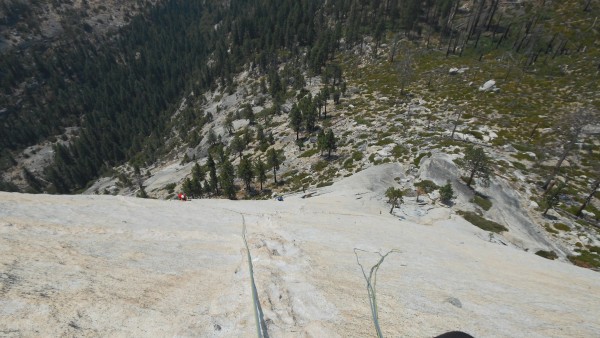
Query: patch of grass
point(594, 249)
point(348, 164)
point(522, 147)
point(481, 222)
point(324, 184)
point(483, 202)
point(523, 156)
point(384, 134)
point(362, 120)
point(550, 229)
point(385, 141)
point(309, 152)
point(357, 156)
point(551, 255)
point(298, 179)
point(476, 134)
point(320, 165)
point(519, 165)
point(399, 151)
point(586, 259)
point(562, 226)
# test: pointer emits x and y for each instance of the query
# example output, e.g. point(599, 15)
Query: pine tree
point(237, 145)
point(186, 187)
point(197, 172)
point(248, 136)
point(395, 197)
point(593, 189)
point(229, 123)
point(273, 162)
point(309, 113)
point(330, 142)
point(226, 179)
point(476, 163)
point(212, 137)
point(446, 193)
point(552, 197)
point(296, 120)
point(212, 174)
point(245, 172)
point(196, 182)
point(261, 172)
point(325, 96)
point(248, 114)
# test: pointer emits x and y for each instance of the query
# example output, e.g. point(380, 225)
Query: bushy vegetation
point(426, 185)
point(586, 259)
point(548, 254)
point(483, 202)
point(481, 222)
point(446, 193)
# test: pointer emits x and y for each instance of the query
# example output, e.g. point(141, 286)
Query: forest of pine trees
point(122, 92)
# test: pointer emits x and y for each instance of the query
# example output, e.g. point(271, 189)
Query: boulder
point(588, 214)
point(454, 70)
point(489, 85)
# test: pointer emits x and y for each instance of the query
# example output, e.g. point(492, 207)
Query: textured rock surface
point(103, 265)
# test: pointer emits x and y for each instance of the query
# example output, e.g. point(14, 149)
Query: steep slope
point(104, 265)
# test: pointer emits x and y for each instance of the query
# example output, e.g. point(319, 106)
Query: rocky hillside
point(24, 23)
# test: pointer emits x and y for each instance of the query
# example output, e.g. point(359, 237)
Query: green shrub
point(357, 156)
point(562, 226)
point(363, 121)
point(550, 229)
point(519, 165)
point(320, 165)
point(348, 163)
point(446, 193)
point(483, 202)
point(427, 186)
point(586, 259)
point(309, 152)
point(324, 184)
point(399, 151)
point(417, 160)
point(523, 156)
point(481, 222)
point(385, 141)
point(594, 249)
point(170, 188)
point(476, 134)
point(551, 255)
